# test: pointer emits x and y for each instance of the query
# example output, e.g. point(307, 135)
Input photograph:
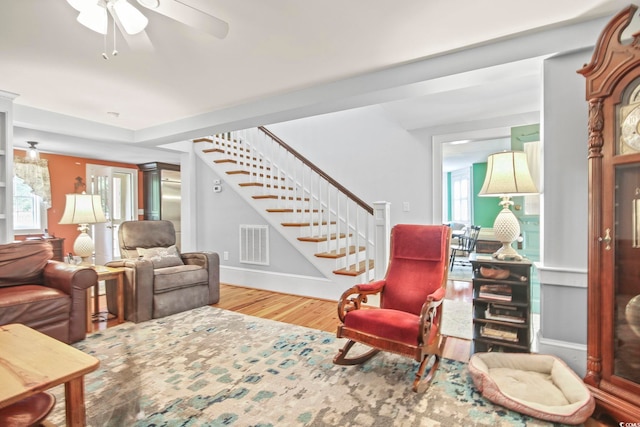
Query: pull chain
point(104, 49)
point(115, 51)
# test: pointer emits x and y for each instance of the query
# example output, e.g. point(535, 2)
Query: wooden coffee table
point(31, 362)
point(106, 273)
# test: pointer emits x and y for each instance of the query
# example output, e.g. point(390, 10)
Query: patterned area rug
point(212, 367)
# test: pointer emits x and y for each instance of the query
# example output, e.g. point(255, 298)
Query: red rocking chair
point(411, 295)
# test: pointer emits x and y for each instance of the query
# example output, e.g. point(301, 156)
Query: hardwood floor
point(318, 313)
point(309, 312)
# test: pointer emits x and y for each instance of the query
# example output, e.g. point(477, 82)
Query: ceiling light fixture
point(132, 20)
point(32, 155)
point(93, 15)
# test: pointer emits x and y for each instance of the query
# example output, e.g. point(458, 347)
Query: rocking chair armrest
point(428, 312)
point(438, 294)
point(371, 288)
point(348, 303)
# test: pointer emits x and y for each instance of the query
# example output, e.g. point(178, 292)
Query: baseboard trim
point(574, 354)
point(315, 287)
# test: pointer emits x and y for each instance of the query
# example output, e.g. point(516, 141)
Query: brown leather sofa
point(158, 279)
point(46, 295)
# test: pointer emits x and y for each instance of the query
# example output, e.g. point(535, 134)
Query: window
point(460, 196)
point(29, 212)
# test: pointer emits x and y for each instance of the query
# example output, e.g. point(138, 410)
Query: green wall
point(485, 209)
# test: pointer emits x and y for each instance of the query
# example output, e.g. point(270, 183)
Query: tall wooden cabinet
point(153, 176)
point(613, 338)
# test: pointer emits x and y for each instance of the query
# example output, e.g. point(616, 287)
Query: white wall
point(369, 154)
point(219, 216)
point(563, 270)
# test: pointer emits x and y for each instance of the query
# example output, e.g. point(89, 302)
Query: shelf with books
point(501, 304)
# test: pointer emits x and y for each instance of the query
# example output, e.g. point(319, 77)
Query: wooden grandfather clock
point(613, 337)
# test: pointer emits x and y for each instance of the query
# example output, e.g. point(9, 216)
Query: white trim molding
point(314, 287)
point(562, 276)
point(574, 355)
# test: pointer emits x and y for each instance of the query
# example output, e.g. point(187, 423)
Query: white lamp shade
point(131, 19)
point(83, 209)
point(508, 175)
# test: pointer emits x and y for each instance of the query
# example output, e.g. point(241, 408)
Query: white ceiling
point(274, 49)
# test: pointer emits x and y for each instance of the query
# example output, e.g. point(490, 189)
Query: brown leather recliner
point(46, 295)
point(158, 280)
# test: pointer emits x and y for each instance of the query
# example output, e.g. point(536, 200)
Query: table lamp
point(83, 209)
point(507, 176)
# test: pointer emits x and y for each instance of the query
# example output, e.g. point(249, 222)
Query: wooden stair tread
point(273, 196)
point(224, 161)
point(213, 150)
point(260, 184)
point(291, 210)
point(351, 271)
point(317, 239)
point(304, 224)
point(203, 140)
point(261, 175)
point(341, 253)
point(237, 172)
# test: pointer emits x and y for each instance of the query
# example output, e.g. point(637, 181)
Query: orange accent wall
point(63, 171)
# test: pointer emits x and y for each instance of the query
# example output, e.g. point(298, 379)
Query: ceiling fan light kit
point(93, 15)
point(132, 20)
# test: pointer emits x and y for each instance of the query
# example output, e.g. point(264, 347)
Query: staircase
point(329, 225)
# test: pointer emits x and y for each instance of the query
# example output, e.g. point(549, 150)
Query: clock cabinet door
point(626, 303)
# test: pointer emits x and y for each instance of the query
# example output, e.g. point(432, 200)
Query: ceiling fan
point(93, 15)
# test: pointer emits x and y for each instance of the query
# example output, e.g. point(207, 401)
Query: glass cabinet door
point(627, 273)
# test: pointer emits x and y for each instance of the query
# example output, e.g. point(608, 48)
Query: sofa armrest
point(211, 262)
point(66, 277)
point(138, 289)
point(73, 280)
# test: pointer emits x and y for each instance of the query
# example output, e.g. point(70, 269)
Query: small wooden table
point(31, 362)
point(106, 273)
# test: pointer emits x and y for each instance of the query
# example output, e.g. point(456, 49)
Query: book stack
point(495, 292)
point(505, 313)
point(499, 332)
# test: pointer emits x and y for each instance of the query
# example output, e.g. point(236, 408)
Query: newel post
point(382, 221)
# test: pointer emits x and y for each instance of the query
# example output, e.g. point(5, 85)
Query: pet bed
point(538, 385)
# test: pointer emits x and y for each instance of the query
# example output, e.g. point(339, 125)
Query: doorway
point(471, 155)
point(118, 190)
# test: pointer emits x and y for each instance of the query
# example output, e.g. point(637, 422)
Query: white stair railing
point(311, 196)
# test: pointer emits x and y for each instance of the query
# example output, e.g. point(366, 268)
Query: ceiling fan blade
point(190, 16)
